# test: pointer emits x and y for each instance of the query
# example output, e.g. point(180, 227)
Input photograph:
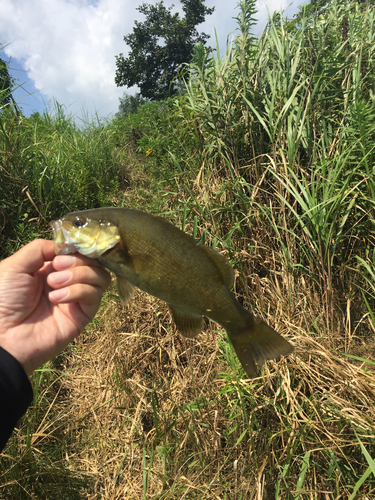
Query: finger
point(61, 262)
point(31, 257)
point(96, 276)
point(80, 313)
point(79, 292)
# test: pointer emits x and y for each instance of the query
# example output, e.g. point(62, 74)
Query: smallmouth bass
point(150, 253)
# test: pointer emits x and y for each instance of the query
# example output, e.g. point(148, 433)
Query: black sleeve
point(15, 394)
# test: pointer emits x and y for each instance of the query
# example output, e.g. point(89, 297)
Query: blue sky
point(65, 49)
point(26, 95)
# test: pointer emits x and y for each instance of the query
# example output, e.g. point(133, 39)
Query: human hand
point(46, 301)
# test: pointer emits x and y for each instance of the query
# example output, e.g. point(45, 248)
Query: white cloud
point(68, 47)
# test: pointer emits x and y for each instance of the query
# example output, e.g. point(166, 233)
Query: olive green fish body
point(194, 280)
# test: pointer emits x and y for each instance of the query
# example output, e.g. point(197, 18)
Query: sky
point(64, 50)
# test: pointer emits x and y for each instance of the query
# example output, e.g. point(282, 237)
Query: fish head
point(77, 233)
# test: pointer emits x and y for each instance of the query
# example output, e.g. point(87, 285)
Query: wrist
point(14, 352)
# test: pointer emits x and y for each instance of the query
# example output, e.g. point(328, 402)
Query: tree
point(5, 84)
point(6, 87)
point(159, 46)
point(129, 104)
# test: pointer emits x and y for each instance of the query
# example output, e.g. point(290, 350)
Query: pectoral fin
point(125, 289)
point(188, 324)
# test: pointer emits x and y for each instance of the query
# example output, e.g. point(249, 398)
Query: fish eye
point(78, 223)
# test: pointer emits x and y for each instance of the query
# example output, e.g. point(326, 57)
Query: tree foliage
point(129, 104)
point(159, 46)
point(5, 84)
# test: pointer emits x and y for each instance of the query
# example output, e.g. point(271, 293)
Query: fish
point(148, 252)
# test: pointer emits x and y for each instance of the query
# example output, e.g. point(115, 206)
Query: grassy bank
point(267, 156)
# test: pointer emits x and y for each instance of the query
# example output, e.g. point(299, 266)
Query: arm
point(15, 394)
point(45, 302)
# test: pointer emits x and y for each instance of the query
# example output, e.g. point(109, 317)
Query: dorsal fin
point(222, 264)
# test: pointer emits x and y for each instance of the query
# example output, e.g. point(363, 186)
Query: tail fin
point(257, 343)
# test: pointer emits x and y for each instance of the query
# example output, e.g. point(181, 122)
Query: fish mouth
point(61, 238)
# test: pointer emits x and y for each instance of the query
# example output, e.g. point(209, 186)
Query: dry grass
point(135, 411)
point(142, 412)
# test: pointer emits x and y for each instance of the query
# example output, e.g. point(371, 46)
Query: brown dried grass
point(125, 417)
point(141, 412)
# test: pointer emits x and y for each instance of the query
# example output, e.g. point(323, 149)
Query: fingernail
point(58, 295)
point(60, 277)
point(64, 261)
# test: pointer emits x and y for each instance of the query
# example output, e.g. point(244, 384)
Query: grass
point(50, 166)
point(269, 159)
point(167, 417)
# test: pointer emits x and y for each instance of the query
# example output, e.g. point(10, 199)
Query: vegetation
point(269, 157)
point(159, 46)
point(130, 103)
point(6, 84)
